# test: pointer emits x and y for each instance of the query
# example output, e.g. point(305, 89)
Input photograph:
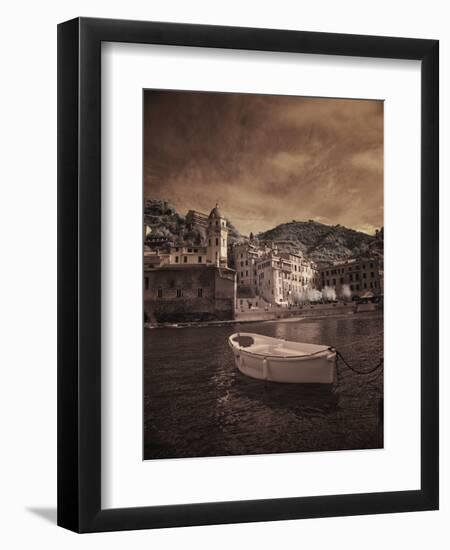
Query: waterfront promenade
point(316, 311)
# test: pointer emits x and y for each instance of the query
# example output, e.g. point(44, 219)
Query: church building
point(191, 283)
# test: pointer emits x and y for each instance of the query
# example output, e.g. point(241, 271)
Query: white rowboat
point(278, 360)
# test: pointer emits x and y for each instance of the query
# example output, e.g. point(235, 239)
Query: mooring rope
point(357, 371)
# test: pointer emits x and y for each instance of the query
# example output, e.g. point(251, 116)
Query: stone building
point(360, 275)
point(195, 219)
point(274, 276)
point(189, 282)
point(193, 293)
point(246, 255)
point(303, 274)
point(212, 252)
point(188, 255)
point(271, 279)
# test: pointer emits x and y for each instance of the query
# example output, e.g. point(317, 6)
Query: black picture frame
point(79, 274)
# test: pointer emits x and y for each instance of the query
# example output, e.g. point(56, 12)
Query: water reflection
point(196, 403)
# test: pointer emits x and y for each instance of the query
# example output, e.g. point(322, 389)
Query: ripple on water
point(196, 403)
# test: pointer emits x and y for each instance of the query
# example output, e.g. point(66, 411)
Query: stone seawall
point(319, 310)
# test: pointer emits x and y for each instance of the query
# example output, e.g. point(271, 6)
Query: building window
point(364, 275)
point(179, 292)
point(200, 292)
point(371, 265)
point(199, 259)
point(217, 242)
point(372, 274)
point(341, 280)
point(185, 259)
point(365, 285)
point(209, 242)
point(176, 259)
point(146, 283)
point(189, 249)
point(159, 293)
point(351, 287)
point(351, 277)
point(217, 223)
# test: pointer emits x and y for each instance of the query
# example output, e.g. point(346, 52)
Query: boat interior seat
point(259, 348)
point(282, 350)
point(267, 349)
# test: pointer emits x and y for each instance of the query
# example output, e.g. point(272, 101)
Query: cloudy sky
point(266, 159)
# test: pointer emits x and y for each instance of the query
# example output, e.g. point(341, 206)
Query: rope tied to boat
point(354, 369)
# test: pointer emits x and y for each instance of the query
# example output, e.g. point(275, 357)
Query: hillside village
point(199, 267)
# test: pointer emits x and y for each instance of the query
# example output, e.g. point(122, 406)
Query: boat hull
point(318, 367)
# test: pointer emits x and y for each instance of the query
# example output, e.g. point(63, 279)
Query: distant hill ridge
point(323, 243)
point(319, 242)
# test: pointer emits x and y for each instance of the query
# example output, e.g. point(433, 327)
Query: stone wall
point(192, 293)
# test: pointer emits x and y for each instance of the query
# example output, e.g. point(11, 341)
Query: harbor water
point(196, 403)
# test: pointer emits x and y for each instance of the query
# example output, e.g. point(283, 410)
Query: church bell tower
point(217, 235)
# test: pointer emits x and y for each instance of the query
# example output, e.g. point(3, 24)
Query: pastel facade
point(246, 255)
point(275, 277)
point(361, 276)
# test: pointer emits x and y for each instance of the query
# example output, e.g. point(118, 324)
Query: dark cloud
point(266, 159)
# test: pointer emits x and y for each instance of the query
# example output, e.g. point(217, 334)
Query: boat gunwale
point(323, 353)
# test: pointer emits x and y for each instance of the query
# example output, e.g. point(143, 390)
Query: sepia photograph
point(263, 263)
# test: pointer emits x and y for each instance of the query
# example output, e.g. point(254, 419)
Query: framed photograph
point(247, 275)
